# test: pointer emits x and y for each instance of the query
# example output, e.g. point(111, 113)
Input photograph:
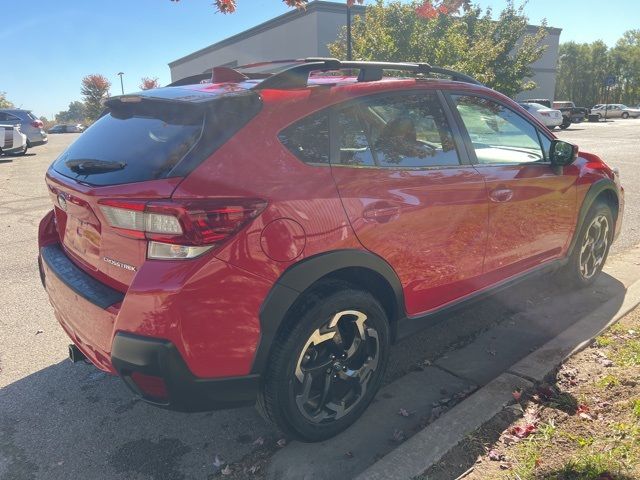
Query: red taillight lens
point(198, 223)
point(151, 386)
point(37, 124)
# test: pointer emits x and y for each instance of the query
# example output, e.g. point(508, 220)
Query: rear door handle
point(381, 214)
point(501, 195)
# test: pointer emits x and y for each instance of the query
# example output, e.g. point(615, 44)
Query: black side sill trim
point(77, 280)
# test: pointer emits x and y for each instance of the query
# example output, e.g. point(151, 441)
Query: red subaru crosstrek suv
point(266, 235)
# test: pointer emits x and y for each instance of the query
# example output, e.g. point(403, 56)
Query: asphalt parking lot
point(60, 421)
point(617, 142)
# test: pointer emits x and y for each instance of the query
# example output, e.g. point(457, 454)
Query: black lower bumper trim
point(76, 279)
point(187, 393)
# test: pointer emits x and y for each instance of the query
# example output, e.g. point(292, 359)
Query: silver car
point(29, 124)
point(615, 110)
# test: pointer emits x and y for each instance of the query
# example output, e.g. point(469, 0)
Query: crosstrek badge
point(116, 263)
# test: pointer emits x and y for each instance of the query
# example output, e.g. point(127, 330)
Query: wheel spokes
point(594, 247)
point(335, 366)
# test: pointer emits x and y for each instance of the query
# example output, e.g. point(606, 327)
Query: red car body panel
point(431, 226)
point(447, 233)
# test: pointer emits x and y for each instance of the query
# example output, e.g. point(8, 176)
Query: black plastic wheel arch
point(299, 277)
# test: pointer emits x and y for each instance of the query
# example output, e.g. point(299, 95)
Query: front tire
point(591, 249)
point(625, 115)
point(327, 364)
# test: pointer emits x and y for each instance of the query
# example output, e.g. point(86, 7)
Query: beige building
point(306, 33)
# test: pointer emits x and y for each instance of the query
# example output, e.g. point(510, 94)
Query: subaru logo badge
point(62, 202)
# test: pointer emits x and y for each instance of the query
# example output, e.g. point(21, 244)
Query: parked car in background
point(566, 113)
point(228, 264)
point(12, 140)
point(615, 110)
point(633, 112)
point(29, 125)
point(548, 116)
point(577, 114)
point(65, 128)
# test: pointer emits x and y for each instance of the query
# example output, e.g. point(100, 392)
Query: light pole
point(349, 50)
point(120, 74)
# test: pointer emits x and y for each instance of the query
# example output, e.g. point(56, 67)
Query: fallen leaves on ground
point(398, 436)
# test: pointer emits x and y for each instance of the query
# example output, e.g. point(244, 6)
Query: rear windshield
point(136, 142)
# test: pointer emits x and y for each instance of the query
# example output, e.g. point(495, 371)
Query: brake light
point(37, 124)
point(181, 229)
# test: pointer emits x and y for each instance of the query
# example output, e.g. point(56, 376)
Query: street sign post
point(609, 81)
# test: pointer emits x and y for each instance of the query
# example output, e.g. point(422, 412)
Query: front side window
point(498, 134)
point(399, 130)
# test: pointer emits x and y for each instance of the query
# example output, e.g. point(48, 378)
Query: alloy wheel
point(594, 246)
point(335, 367)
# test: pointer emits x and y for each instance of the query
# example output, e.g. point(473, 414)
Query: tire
point(575, 273)
point(625, 115)
point(22, 152)
point(346, 361)
point(565, 125)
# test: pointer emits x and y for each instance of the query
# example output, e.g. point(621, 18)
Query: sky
point(48, 46)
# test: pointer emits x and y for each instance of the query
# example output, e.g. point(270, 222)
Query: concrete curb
point(428, 446)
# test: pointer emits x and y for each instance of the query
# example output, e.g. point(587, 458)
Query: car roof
point(300, 73)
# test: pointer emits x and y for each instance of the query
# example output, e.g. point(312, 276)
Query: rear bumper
point(76, 297)
point(187, 393)
point(36, 138)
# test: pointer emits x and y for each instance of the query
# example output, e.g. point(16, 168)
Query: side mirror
point(562, 153)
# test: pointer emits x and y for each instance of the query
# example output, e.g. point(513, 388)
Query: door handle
point(500, 195)
point(381, 214)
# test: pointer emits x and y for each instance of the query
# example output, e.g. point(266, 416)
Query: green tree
point(498, 52)
point(4, 103)
point(95, 88)
point(76, 113)
point(583, 68)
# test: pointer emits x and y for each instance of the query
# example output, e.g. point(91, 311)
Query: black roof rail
point(297, 76)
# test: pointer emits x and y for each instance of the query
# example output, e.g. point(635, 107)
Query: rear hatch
point(136, 153)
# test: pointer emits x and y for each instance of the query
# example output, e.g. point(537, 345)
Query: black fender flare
point(594, 192)
point(302, 275)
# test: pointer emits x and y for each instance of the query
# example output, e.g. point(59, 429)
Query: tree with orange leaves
point(147, 83)
point(95, 88)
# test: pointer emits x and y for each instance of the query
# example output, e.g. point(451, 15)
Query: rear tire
point(625, 115)
point(327, 364)
point(591, 249)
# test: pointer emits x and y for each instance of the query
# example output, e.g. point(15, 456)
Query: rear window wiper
point(84, 166)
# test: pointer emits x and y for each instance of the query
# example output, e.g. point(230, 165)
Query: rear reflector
point(181, 229)
point(151, 386)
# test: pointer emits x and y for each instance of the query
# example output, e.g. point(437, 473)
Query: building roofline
point(314, 6)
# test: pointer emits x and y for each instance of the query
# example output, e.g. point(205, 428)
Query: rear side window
point(136, 142)
point(398, 130)
point(308, 139)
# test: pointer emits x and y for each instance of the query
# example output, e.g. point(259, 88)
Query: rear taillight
point(181, 229)
point(37, 124)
